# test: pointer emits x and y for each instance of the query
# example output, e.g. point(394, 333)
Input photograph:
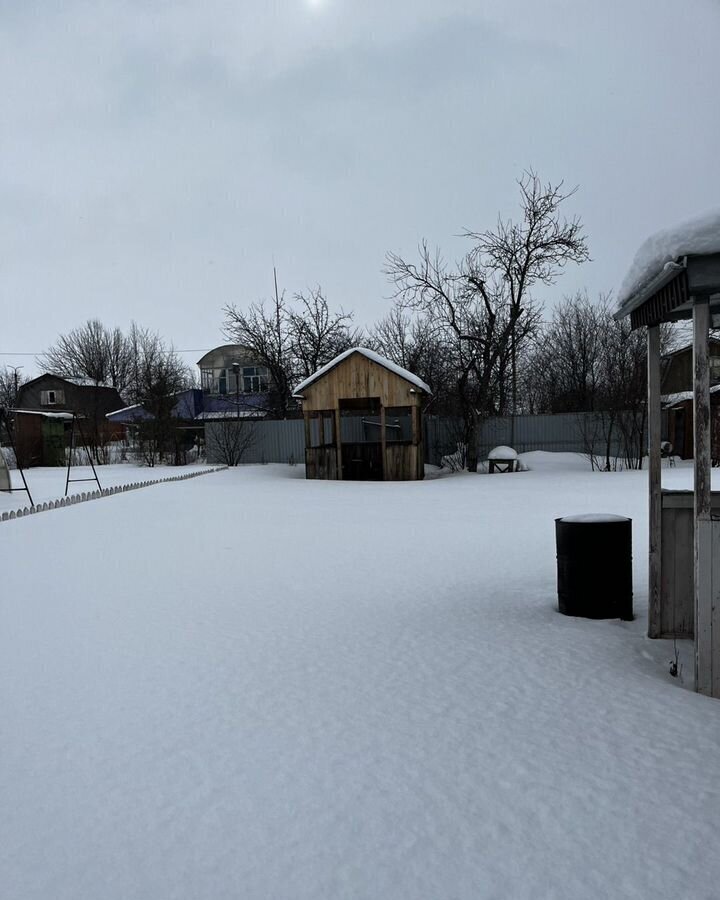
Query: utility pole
point(15, 370)
point(279, 353)
point(236, 370)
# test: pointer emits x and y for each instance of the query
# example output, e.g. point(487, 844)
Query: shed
point(676, 275)
point(363, 419)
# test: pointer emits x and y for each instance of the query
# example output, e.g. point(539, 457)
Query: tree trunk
point(472, 430)
point(608, 443)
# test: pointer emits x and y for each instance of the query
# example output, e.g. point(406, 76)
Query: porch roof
point(671, 270)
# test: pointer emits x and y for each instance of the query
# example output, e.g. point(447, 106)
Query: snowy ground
point(254, 686)
point(48, 483)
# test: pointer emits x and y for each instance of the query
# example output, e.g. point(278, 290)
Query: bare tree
point(156, 371)
point(10, 382)
point(157, 375)
point(562, 372)
point(100, 356)
point(292, 339)
point(92, 351)
point(482, 308)
point(318, 335)
point(230, 439)
point(623, 392)
point(414, 343)
point(588, 362)
point(263, 329)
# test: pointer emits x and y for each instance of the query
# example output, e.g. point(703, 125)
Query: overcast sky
point(157, 157)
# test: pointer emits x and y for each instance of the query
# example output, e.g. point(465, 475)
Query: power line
point(42, 352)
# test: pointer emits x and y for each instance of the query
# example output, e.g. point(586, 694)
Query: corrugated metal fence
point(271, 441)
point(284, 441)
point(568, 432)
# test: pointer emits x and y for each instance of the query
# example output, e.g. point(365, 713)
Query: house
point(44, 411)
point(676, 374)
point(233, 382)
point(174, 436)
point(363, 419)
point(235, 386)
point(187, 406)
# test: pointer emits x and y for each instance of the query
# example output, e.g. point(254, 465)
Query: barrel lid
point(589, 518)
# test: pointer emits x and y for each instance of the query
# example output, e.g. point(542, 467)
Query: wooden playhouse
point(363, 419)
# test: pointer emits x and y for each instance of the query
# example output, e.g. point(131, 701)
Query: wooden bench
point(503, 459)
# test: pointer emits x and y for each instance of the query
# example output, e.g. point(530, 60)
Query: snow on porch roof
point(669, 400)
point(45, 415)
point(657, 260)
point(371, 355)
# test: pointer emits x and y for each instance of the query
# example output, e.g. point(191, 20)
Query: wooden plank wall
point(676, 609)
point(400, 462)
point(715, 624)
point(677, 601)
point(357, 376)
point(321, 462)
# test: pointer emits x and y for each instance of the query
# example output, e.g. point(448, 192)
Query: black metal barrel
point(594, 566)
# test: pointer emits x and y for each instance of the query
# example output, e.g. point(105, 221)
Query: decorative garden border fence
point(83, 497)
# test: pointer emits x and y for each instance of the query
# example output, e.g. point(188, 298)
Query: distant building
point(186, 407)
point(172, 435)
point(233, 381)
point(677, 372)
point(234, 386)
point(677, 397)
point(44, 410)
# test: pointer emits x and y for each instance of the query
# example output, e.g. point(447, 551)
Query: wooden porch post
point(703, 521)
point(383, 439)
point(655, 483)
point(338, 440)
point(417, 440)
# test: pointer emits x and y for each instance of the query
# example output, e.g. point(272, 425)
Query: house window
point(715, 368)
point(398, 424)
point(206, 379)
point(52, 398)
point(322, 428)
point(255, 380)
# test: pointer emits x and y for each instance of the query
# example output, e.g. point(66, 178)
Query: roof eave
point(298, 393)
point(663, 277)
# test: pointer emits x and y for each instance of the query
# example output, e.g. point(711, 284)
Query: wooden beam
point(704, 662)
point(704, 274)
point(417, 440)
point(338, 442)
point(655, 484)
point(383, 438)
point(660, 306)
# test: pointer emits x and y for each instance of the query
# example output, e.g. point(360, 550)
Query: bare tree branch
point(483, 306)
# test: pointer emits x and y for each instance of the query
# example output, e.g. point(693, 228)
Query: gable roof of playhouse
point(373, 357)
